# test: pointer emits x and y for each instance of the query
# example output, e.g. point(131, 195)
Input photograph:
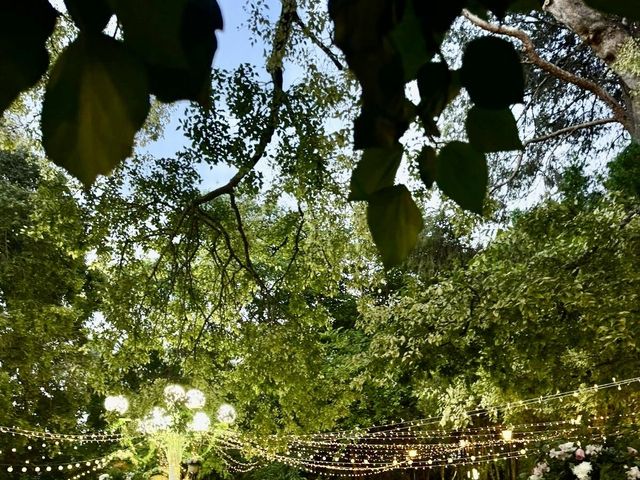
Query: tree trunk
point(611, 40)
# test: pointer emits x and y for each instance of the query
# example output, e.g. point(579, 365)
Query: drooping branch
point(619, 112)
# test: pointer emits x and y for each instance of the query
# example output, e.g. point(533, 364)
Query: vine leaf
point(427, 166)
point(90, 16)
point(462, 175)
point(492, 73)
point(375, 171)
point(26, 26)
point(96, 100)
point(177, 42)
point(624, 8)
point(492, 130)
point(395, 222)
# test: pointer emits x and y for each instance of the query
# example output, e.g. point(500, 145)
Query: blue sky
point(234, 48)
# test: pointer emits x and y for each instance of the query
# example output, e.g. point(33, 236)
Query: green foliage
point(395, 222)
point(376, 171)
point(468, 191)
point(389, 43)
point(624, 172)
point(492, 130)
point(97, 97)
point(95, 84)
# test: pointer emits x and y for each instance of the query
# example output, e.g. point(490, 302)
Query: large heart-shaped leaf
point(408, 37)
point(462, 175)
point(177, 41)
point(96, 100)
point(492, 130)
point(375, 171)
point(26, 26)
point(492, 73)
point(395, 222)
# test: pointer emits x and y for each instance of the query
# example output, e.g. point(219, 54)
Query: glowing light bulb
point(507, 435)
point(116, 403)
point(195, 398)
point(226, 413)
point(174, 394)
point(200, 423)
point(475, 474)
point(412, 453)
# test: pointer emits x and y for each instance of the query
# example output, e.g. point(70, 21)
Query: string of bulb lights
point(415, 444)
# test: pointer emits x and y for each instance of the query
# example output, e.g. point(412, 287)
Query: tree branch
point(548, 136)
point(619, 112)
point(305, 29)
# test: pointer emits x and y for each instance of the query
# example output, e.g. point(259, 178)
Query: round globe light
point(174, 394)
point(195, 398)
point(200, 423)
point(226, 413)
point(116, 403)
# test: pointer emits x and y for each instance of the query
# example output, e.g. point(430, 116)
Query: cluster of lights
point(159, 418)
point(92, 465)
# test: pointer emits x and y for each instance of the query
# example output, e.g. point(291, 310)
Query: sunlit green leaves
point(395, 222)
point(177, 42)
point(492, 73)
point(375, 171)
point(625, 8)
point(96, 100)
point(462, 175)
point(492, 130)
point(26, 25)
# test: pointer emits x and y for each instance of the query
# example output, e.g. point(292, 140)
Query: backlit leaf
point(395, 222)
point(177, 41)
point(492, 130)
point(462, 175)
point(375, 171)
point(96, 100)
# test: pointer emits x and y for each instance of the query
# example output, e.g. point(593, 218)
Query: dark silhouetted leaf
point(492, 73)
point(492, 130)
point(462, 175)
point(625, 8)
point(177, 41)
point(407, 36)
point(395, 222)
point(26, 26)
point(89, 16)
point(427, 166)
point(375, 171)
point(437, 88)
point(96, 100)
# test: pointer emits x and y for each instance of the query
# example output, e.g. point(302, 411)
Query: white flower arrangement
point(582, 470)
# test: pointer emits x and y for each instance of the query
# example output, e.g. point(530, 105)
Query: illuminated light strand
point(45, 435)
point(54, 466)
point(482, 410)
